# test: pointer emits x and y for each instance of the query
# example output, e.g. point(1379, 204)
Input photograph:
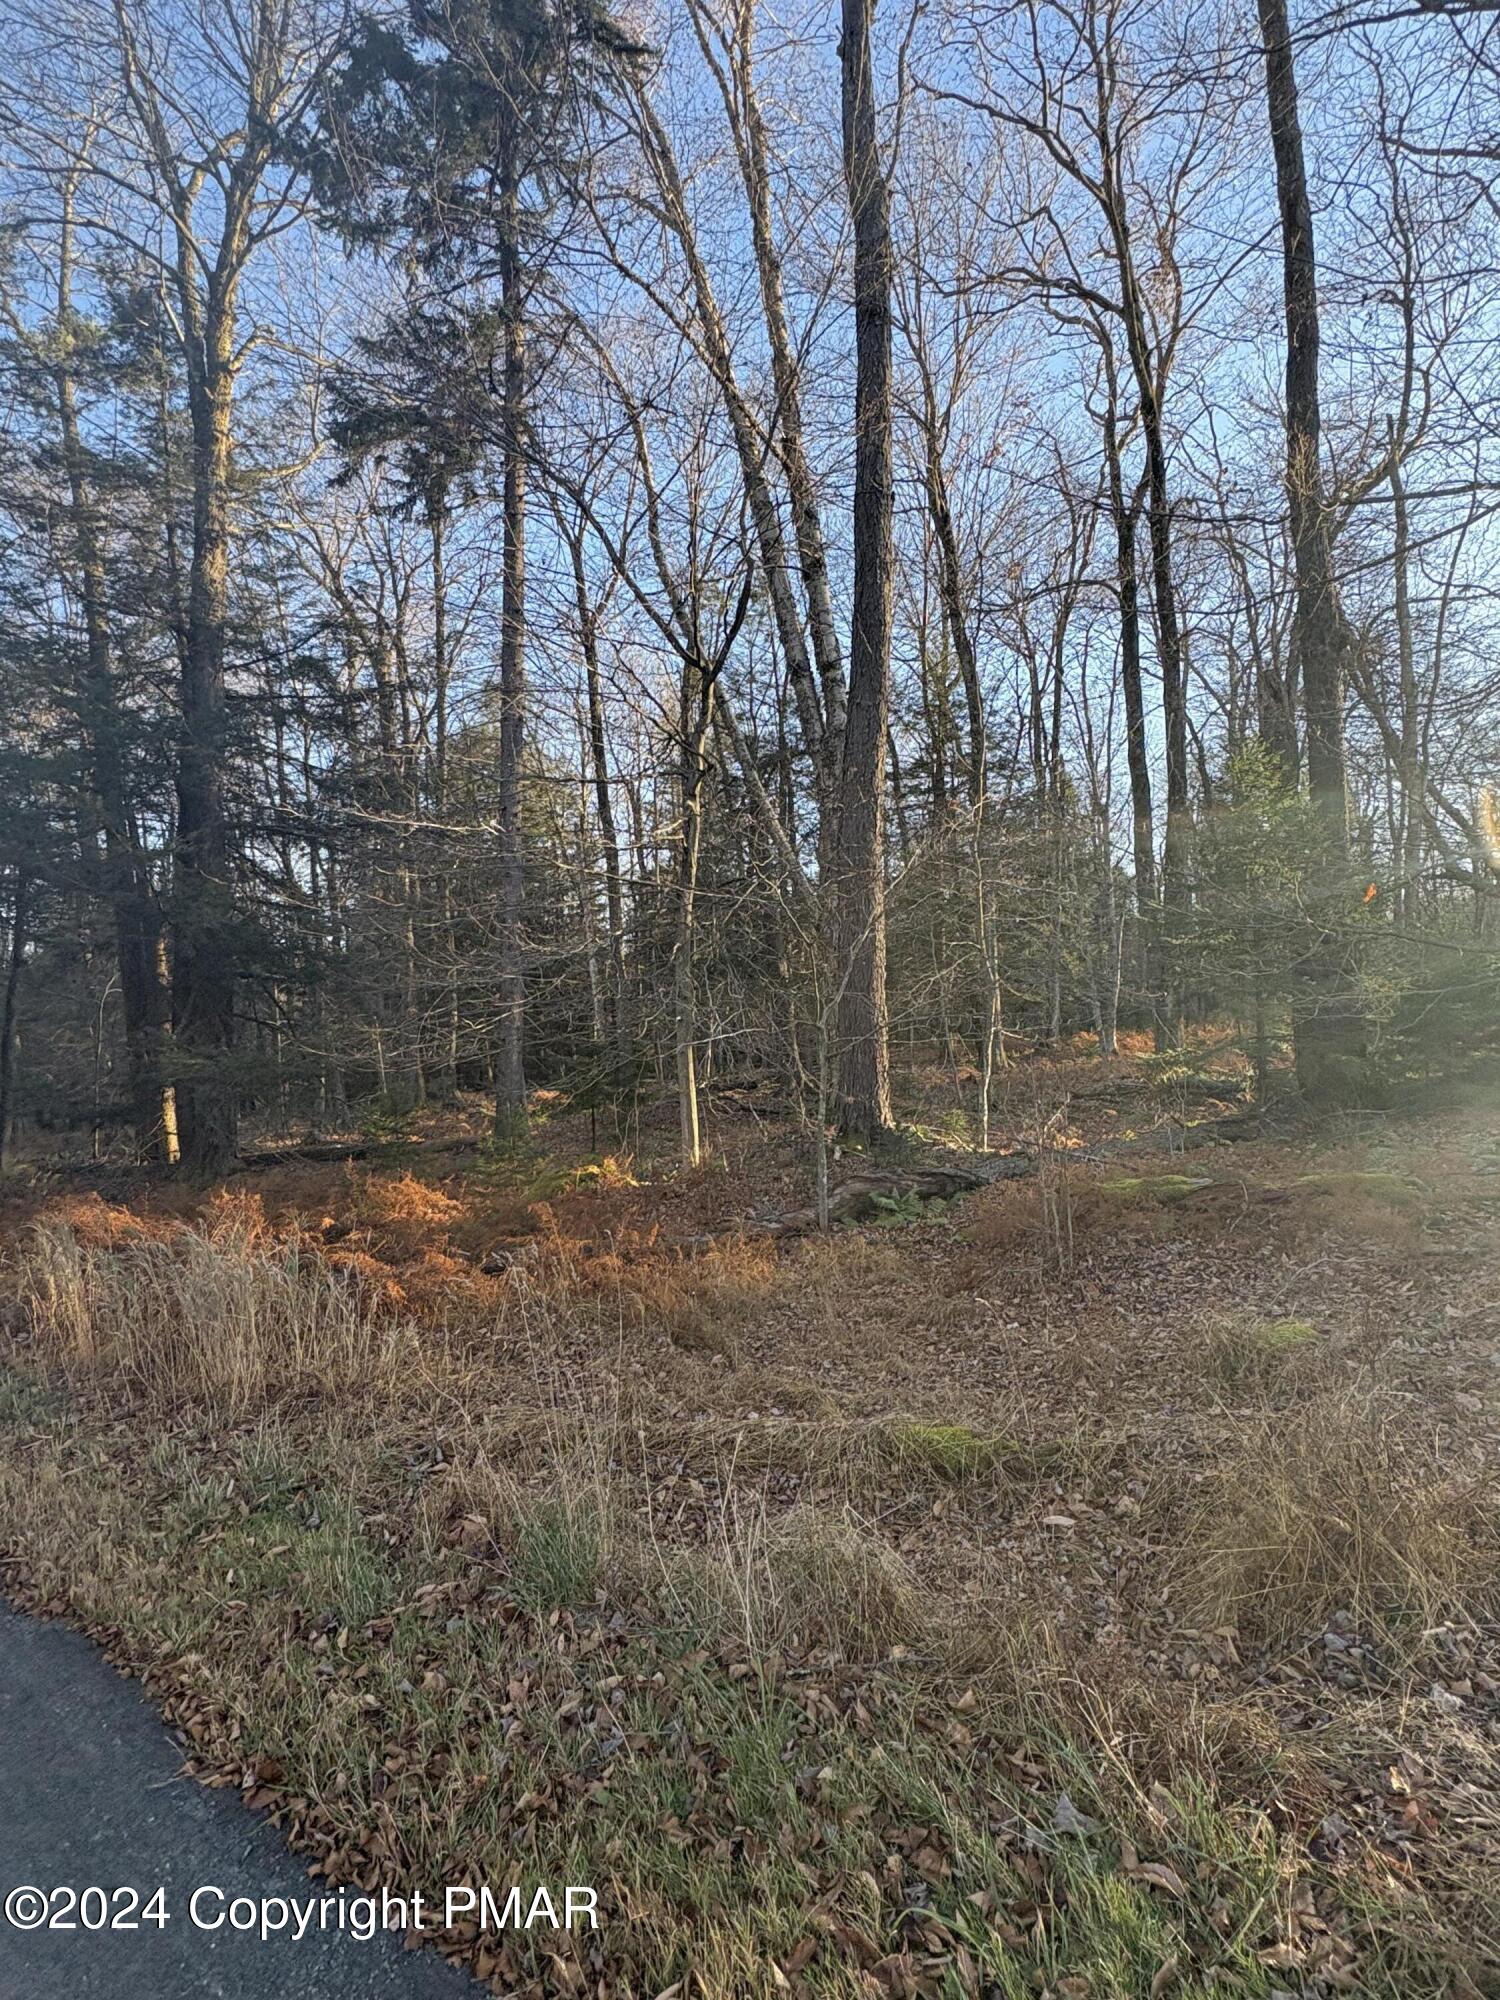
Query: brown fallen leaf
point(1161, 1875)
point(800, 1955)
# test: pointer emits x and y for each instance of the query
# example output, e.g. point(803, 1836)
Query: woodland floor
point(1086, 1587)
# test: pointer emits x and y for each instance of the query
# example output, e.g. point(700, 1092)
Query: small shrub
point(403, 1215)
point(387, 1123)
point(602, 1176)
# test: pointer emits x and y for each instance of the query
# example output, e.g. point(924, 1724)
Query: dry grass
point(815, 1580)
point(1357, 1510)
point(1249, 1355)
point(790, 1586)
point(1084, 1209)
point(216, 1318)
point(752, 1813)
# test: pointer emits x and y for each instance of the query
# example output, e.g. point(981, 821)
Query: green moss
point(1155, 1187)
point(1284, 1336)
point(953, 1451)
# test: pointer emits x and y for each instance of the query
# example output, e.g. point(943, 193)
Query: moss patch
point(949, 1450)
point(1154, 1187)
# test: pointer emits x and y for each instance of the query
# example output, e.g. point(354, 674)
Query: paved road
point(89, 1795)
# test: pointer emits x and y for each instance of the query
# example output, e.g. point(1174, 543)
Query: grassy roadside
point(412, 1719)
point(826, 1735)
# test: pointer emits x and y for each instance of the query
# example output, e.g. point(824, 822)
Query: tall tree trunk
point(588, 639)
point(736, 80)
point(205, 954)
point(864, 1026)
point(139, 950)
point(750, 447)
point(950, 585)
point(1176, 850)
point(1412, 778)
point(1126, 515)
point(1329, 1030)
point(437, 514)
point(14, 963)
point(1150, 384)
point(510, 1039)
point(696, 716)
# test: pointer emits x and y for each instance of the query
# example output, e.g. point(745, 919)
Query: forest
point(545, 550)
point(750, 966)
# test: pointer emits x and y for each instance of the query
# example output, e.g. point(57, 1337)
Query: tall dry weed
point(1354, 1509)
point(226, 1318)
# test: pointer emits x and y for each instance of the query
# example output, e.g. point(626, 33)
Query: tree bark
point(1328, 1027)
point(1413, 779)
point(205, 279)
point(204, 958)
point(588, 640)
point(695, 717)
point(950, 585)
point(441, 673)
point(864, 1050)
point(139, 947)
point(15, 963)
point(1125, 515)
point(742, 105)
point(1149, 386)
point(510, 1038)
point(750, 448)
point(1176, 851)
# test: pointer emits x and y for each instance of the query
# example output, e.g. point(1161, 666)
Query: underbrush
point(814, 1580)
point(231, 1315)
point(760, 1812)
point(793, 1596)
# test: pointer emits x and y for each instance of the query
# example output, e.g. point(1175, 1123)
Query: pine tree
point(449, 139)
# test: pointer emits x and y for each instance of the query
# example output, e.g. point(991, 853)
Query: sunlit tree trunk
point(205, 953)
point(15, 960)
